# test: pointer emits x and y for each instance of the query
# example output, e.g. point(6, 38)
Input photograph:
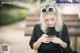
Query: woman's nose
point(49, 22)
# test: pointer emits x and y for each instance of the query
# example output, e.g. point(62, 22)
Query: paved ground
point(14, 36)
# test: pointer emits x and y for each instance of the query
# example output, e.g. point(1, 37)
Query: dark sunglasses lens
point(43, 10)
point(51, 9)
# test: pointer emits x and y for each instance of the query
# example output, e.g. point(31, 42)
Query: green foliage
point(12, 16)
point(34, 1)
point(43, 0)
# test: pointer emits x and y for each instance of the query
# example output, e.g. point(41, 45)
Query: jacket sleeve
point(65, 35)
point(66, 39)
point(33, 37)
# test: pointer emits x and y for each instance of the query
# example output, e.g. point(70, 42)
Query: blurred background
point(18, 17)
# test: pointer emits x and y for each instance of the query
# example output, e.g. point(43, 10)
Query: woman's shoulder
point(37, 26)
point(65, 26)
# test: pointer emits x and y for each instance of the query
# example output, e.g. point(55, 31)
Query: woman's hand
point(55, 39)
point(44, 38)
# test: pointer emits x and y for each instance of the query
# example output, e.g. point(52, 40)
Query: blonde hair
point(58, 24)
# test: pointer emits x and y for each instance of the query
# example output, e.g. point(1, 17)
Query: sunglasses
point(48, 8)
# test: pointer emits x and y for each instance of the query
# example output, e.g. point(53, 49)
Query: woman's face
point(50, 20)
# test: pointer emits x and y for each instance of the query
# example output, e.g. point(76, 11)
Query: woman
point(51, 34)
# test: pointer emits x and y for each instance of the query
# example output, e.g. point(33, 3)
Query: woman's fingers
point(46, 40)
point(56, 40)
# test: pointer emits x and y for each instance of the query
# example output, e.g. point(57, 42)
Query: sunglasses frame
point(47, 7)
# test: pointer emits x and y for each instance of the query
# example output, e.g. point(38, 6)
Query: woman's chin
point(50, 26)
